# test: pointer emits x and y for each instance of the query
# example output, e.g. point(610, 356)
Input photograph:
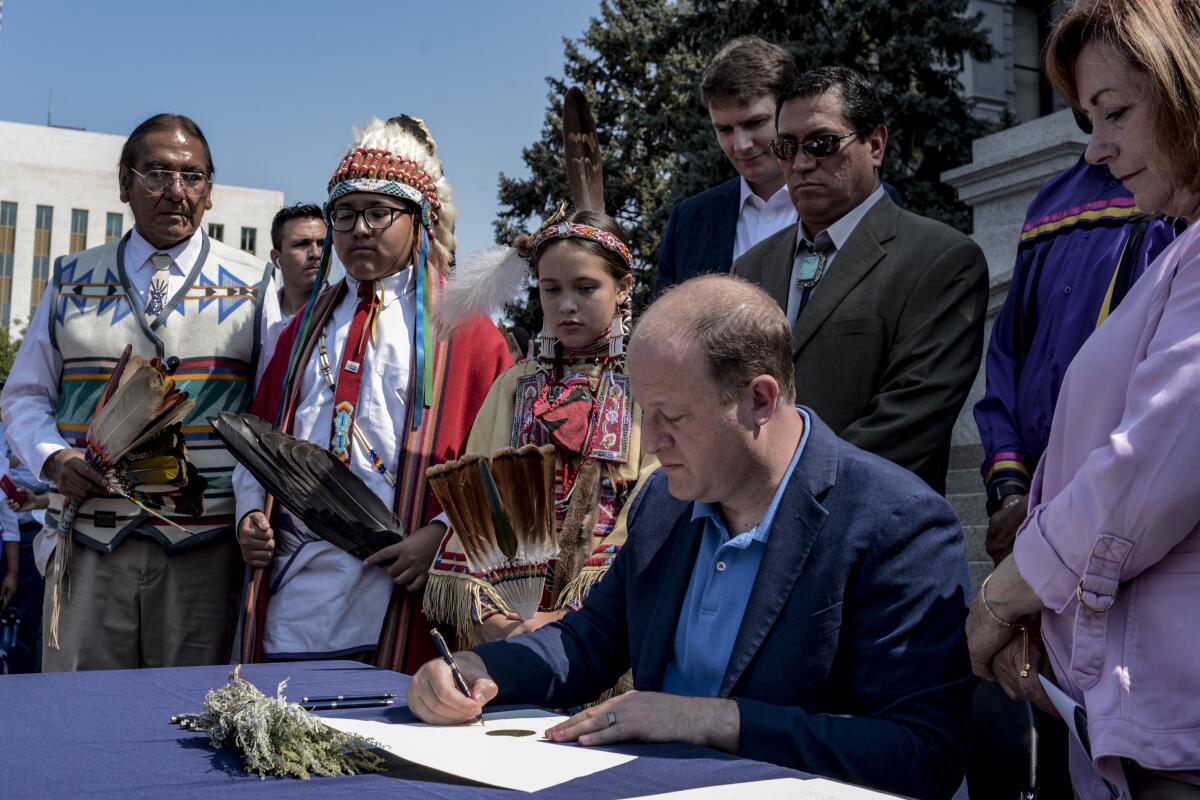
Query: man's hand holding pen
point(434, 697)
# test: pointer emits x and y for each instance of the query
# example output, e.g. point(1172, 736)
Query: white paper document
point(777, 789)
point(527, 763)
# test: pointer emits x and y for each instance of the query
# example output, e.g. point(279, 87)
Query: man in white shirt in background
point(142, 594)
point(711, 230)
point(297, 236)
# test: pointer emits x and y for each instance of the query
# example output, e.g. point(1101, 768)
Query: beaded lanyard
point(327, 373)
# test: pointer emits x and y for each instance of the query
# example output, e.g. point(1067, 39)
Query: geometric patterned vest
point(211, 327)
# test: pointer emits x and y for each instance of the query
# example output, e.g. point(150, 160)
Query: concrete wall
point(69, 169)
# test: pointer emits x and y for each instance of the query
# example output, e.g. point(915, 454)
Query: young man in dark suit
point(887, 307)
point(782, 594)
point(708, 231)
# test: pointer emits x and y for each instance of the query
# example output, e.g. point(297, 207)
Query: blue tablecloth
point(108, 734)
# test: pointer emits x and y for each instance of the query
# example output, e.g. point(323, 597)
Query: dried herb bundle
point(275, 737)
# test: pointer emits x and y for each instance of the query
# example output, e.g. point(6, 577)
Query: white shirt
point(838, 232)
point(759, 219)
point(324, 600)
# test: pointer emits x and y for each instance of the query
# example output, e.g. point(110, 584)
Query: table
point(108, 734)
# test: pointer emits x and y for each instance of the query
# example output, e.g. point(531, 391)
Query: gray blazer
point(890, 341)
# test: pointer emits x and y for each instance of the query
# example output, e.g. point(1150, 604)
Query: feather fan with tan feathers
point(502, 509)
point(135, 442)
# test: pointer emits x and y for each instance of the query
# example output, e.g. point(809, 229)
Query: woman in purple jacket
point(1109, 554)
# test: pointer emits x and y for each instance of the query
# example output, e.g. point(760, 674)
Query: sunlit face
point(579, 295)
point(745, 133)
point(168, 217)
point(823, 190)
point(300, 253)
point(702, 443)
point(1118, 101)
point(369, 253)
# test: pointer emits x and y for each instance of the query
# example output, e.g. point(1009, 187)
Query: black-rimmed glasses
point(158, 181)
point(376, 217)
point(785, 148)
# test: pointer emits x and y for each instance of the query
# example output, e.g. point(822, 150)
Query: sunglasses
point(786, 148)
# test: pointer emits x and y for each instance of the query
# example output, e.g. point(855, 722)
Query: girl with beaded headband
point(574, 395)
point(359, 371)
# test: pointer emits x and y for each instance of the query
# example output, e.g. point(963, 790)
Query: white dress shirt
point(838, 232)
point(759, 219)
point(323, 600)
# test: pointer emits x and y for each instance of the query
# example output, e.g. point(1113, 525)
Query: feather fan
point(137, 420)
point(502, 509)
point(312, 484)
point(581, 148)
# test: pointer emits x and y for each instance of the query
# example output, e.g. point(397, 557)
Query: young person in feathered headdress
point(360, 371)
point(574, 395)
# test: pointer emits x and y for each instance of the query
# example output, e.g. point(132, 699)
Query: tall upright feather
point(581, 147)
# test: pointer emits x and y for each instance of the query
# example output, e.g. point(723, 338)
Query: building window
point(1033, 97)
point(41, 255)
point(78, 230)
point(113, 227)
point(216, 231)
point(248, 237)
point(8, 241)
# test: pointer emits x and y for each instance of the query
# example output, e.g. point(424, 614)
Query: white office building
point(59, 195)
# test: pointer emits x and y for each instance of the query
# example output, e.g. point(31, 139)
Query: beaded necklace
point(327, 373)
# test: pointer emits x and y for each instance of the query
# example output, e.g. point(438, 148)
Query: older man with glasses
point(140, 592)
point(886, 307)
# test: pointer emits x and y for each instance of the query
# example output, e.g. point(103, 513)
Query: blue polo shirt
point(718, 592)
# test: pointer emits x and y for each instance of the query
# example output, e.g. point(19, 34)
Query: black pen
point(337, 698)
point(339, 704)
point(461, 682)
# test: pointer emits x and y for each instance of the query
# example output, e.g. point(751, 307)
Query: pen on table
point(459, 680)
point(337, 698)
point(331, 705)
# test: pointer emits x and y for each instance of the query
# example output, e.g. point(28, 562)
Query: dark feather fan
point(581, 148)
point(311, 483)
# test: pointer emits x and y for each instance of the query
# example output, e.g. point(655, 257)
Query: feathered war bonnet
point(484, 282)
point(398, 158)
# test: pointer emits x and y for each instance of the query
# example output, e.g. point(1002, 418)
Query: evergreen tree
point(640, 61)
point(8, 351)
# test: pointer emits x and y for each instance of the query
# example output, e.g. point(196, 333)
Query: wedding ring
point(612, 718)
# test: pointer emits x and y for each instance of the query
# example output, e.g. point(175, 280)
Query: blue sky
point(277, 86)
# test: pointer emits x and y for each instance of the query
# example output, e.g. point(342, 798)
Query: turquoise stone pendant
point(812, 266)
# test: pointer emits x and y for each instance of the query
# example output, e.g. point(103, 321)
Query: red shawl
point(464, 368)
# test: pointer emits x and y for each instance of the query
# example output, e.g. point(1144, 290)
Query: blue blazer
point(699, 236)
point(851, 659)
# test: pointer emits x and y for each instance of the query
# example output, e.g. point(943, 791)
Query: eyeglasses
point(158, 181)
point(785, 148)
point(376, 217)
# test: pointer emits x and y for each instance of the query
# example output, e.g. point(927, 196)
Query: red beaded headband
point(367, 169)
point(570, 230)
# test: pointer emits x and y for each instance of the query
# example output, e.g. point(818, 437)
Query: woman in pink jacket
point(1109, 556)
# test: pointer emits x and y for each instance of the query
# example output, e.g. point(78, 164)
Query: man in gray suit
point(887, 307)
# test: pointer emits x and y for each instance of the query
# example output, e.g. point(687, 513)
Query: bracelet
point(995, 617)
point(1025, 668)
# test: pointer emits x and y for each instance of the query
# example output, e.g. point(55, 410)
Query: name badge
point(352, 366)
